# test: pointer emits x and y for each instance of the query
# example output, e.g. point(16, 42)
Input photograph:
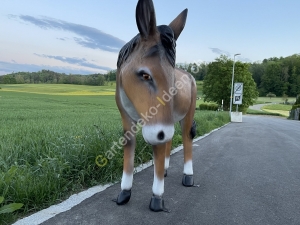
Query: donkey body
point(154, 94)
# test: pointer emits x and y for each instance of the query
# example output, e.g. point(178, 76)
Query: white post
point(232, 78)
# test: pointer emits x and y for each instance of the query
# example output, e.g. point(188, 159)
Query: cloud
point(8, 67)
point(228, 54)
point(74, 60)
point(244, 59)
point(89, 37)
point(220, 52)
point(62, 39)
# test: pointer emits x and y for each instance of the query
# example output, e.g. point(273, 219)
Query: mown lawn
point(50, 137)
point(262, 100)
point(281, 107)
point(61, 89)
point(278, 108)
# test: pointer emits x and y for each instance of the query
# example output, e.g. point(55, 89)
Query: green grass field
point(51, 135)
point(62, 89)
point(278, 108)
point(265, 113)
point(262, 100)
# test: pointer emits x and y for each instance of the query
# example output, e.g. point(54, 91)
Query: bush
point(296, 106)
point(292, 114)
point(271, 95)
point(298, 100)
point(208, 106)
point(241, 108)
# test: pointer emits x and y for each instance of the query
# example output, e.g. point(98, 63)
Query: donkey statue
point(152, 94)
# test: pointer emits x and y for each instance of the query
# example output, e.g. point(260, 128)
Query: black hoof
point(187, 180)
point(157, 204)
point(123, 197)
point(166, 173)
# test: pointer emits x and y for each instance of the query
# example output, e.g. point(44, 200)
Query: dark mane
point(126, 50)
point(167, 41)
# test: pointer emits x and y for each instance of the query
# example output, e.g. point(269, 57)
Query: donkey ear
point(178, 23)
point(145, 18)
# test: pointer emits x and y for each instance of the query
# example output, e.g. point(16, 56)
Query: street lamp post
point(232, 82)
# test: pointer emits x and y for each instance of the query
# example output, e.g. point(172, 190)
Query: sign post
point(237, 100)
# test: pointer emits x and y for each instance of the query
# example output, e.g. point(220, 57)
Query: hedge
point(208, 106)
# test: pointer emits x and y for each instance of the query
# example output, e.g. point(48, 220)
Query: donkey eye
point(144, 74)
point(147, 76)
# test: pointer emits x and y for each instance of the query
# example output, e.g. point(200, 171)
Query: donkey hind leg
point(167, 157)
point(128, 167)
point(157, 202)
point(188, 126)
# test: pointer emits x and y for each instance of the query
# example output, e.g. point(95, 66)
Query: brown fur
point(145, 72)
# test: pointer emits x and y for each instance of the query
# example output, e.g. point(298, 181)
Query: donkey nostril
point(161, 135)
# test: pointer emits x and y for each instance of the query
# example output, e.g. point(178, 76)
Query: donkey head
point(146, 73)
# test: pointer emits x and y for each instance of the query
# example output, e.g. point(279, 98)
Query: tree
point(280, 75)
point(297, 100)
point(271, 78)
point(257, 70)
point(271, 95)
point(198, 70)
point(110, 76)
point(217, 82)
point(19, 79)
point(8, 79)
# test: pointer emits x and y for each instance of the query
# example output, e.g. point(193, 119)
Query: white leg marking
point(188, 168)
point(127, 179)
point(158, 185)
point(167, 162)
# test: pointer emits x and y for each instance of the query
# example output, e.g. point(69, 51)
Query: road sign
point(238, 88)
point(237, 99)
point(238, 93)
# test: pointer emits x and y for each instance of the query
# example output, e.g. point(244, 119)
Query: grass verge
point(265, 113)
point(283, 110)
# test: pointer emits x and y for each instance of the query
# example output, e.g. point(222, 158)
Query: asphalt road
point(259, 106)
point(249, 173)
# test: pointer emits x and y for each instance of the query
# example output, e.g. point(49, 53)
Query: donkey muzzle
point(157, 134)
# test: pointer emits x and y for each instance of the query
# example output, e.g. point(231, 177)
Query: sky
point(84, 37)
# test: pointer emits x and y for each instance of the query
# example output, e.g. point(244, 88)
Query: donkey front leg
point(187, 179)
point(157, 202)
point(128, 167)
point(188, 133)
point(167, 157)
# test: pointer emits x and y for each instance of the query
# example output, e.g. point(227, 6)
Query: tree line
point(279, 76)
point(273, 76)
point(51, 77)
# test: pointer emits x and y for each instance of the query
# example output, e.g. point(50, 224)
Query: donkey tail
point(193, 129)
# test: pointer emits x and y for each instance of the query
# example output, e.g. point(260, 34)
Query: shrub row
point(208, 106)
